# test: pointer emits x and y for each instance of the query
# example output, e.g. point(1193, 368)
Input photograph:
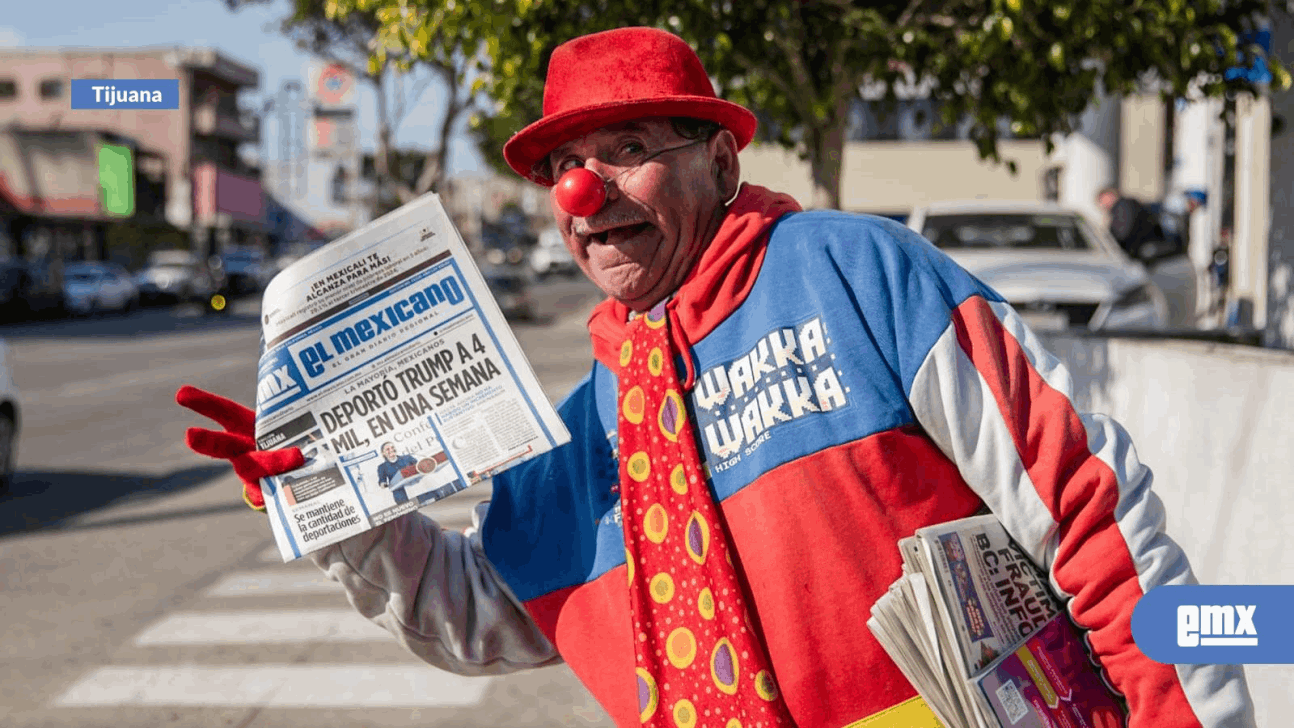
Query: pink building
point(190, 175)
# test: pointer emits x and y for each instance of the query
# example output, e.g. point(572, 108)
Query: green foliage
point(1035, 63)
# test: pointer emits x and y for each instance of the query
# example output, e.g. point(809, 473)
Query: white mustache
point(585, 227)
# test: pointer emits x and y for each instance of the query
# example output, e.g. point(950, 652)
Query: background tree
point(399, 73)
point(800, 64)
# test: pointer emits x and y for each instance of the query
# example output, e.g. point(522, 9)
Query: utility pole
point(1247, 308)
point(290, 159)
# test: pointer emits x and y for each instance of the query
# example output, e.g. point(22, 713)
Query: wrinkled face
point(660, 212)
point(388, 452)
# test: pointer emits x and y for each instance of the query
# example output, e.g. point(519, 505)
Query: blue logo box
point(125, 93)
point(1215, 624)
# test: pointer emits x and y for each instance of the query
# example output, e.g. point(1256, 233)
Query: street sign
point(331, 85)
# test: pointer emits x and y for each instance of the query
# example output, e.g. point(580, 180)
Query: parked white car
point(10, 419)
point(551, 255)
point(246, 270)
point(1055, 267)
point(93, 287)
point(175, 276)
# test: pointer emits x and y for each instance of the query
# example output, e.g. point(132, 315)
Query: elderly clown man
point(778, 396)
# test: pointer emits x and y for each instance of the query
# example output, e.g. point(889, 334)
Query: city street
point(140, 591)
point(1115, 376)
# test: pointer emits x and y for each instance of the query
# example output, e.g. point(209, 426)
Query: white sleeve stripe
point(1138, 513)
point(953, 402)
point(949, 388)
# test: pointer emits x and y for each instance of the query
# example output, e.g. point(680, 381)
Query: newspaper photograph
point(387, 361)
point(999, 595)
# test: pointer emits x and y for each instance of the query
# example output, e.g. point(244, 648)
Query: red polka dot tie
point(699, 661)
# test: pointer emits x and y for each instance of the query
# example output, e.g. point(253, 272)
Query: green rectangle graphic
point(117, 179)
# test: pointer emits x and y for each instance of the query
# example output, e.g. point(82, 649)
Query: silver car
point(552, 256)
point(93, 287)
point(1056, 268)
point(175, 276)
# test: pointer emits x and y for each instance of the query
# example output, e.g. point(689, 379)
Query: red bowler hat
point(617, 75)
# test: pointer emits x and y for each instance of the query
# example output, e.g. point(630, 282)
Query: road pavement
point(140, 591)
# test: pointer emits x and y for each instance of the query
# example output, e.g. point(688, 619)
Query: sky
point(247, 36)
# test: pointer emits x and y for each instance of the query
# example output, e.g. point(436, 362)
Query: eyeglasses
point(626, 164)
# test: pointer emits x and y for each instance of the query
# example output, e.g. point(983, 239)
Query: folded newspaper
point(385, 358)
point(976, 629)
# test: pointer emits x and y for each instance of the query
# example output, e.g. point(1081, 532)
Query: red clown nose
point(581, 192)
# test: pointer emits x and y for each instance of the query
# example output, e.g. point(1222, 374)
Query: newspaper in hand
point(386, 360)
point(975, 628)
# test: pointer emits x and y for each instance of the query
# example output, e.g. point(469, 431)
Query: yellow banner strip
point(911, 713)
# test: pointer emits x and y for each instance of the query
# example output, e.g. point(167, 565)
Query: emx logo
point(278, 380)
point(1215, 625)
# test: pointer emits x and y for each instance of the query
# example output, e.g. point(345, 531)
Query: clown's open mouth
point(621, 234)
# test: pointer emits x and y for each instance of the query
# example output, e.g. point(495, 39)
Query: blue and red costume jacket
point(853, 386)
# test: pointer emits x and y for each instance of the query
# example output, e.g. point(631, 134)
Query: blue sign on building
point(1256, 71)
point(125, 93)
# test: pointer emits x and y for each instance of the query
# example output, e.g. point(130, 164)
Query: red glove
point(237, 443)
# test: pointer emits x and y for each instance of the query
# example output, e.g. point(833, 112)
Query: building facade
point(896, 157)
point(312, 155)
point(189, 157)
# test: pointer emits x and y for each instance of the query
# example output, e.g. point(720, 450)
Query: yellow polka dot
point(678, 480)
point(662, 588)
point(733, 723)
point(696, 537)
point(705, 603)
point(765, 687)
point(656, 523)
point(724, 667)
point(684, 714)
point(653, 695)
point(634, 405)
point(639, 466)
point(655, 362)
point(681, 647)
point(629, 565)
point(626, 352)
point(671, 414)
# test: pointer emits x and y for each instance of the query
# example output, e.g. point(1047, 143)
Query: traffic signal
point(117, 179)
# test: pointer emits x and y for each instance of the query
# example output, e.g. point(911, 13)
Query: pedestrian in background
point(1132, 224)
point(778, 396)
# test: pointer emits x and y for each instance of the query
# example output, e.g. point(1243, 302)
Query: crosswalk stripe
point(268, 583)
point(278, 626)
point(276, 686)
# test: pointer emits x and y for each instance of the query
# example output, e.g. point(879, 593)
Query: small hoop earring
point(734, 195)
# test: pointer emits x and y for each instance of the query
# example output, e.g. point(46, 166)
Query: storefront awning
point(52, 174)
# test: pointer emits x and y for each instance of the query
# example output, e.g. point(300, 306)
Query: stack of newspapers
point(975, 628)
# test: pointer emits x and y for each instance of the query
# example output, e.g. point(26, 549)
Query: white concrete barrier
point(1215, 423)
